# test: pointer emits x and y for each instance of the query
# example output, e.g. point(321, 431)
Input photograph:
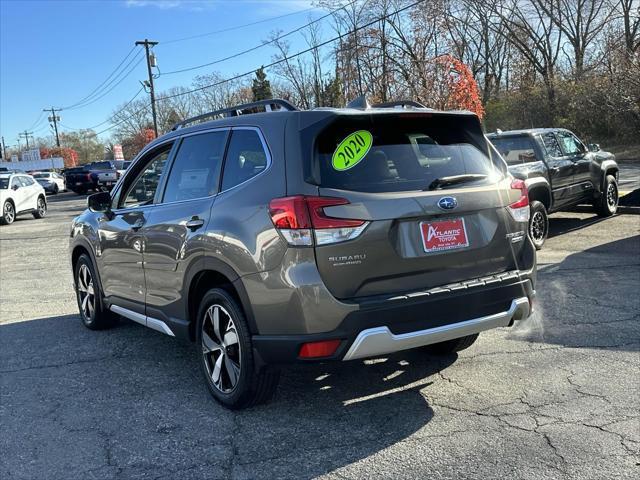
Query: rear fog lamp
point(324, 348)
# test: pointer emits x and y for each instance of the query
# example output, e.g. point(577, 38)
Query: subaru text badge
point(447, 203)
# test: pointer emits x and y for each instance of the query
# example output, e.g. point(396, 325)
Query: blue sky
point(56, 52)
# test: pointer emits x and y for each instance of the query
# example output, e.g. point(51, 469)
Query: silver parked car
point(52, 182)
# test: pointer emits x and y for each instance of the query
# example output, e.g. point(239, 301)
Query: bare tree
point(530, 30)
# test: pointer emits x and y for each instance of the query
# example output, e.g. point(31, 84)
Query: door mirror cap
point(99, 202)
point(15, 187)
point(594, 147)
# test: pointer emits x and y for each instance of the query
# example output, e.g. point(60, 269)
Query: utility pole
point(4, 150)
point(55, 119)
point(147, 43)
point(26, 136)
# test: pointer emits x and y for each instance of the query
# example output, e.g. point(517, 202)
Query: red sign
point(117, 152)
point(444, 235)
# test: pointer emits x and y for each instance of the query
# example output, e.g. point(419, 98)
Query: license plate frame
point(447, 234)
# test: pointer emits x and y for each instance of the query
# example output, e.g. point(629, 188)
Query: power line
point(37, 122)
point(277, 62)
point(146, 107)
point(103, 82)
point(236, 27)
point(282, 60)
point(264, 44)
point(110, 118)
point(112, 87)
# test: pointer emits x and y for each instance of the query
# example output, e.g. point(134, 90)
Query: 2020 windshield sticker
point(352, 150)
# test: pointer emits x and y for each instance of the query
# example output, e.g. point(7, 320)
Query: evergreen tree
point(261, 87)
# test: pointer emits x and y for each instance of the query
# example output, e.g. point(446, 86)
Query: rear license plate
point(78, 183)
point(444, 235)
point(108, 184)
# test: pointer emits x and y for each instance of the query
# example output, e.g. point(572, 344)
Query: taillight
point(519, 209)
point(88, 176)
point(300, 218)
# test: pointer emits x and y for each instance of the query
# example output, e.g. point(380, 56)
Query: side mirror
point(15, 187)
point(594, 147)
point(99, 202)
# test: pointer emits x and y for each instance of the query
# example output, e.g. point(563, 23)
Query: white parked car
point(20, 193)
point(52, 182)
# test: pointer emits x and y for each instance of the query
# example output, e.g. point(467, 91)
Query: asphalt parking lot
point(559, 398)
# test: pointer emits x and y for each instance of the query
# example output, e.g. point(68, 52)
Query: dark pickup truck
point(560, 172)
point(94, 176)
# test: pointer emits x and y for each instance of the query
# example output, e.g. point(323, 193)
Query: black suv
point(559, 172)
point(271, 235)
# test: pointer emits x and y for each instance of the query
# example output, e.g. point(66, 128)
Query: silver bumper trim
point(380, 340)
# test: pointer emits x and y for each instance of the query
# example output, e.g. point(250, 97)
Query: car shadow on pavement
point(589, 300)
point(559, 225)
point(131, 402)
point(65, 197)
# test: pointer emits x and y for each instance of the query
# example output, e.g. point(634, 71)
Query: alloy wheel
point(86, 292)
point(537, 227)
point(612, 196)
point(42, 207)
point(221, 349)
point(9, 214)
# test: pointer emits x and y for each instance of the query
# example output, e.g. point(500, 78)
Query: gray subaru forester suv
point(269, 235)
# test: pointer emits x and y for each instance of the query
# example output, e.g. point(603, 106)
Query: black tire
point(81, 191)
point(96, 317)
point(607, 204)
point(453, 346)
point(538, 224)
point(232, 352)
point(55, 189)
point(41, 208)
point(8, 213)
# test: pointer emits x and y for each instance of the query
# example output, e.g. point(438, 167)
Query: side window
point(15, 182)
point(143, 189)
point(551, 145)
point(196, 168)
point(570, 144)
point(246, 158)
point(26, 181)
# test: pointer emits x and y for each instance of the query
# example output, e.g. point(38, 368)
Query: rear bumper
point(382, 326)
point(380, 340)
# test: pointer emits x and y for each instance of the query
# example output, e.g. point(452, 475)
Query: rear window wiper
point(455, 180)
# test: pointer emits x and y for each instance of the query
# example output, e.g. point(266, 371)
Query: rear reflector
point(519, 209)
point(299, 217)
point(325, 348)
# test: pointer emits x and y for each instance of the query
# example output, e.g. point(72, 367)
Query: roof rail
point(399, 103)
point(236, 110)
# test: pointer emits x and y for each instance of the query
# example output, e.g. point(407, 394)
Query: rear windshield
point(4, 183)
point(398, 153)
point(41, 175)
point(516, 150)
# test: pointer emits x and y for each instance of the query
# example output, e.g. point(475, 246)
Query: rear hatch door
point(433, 199)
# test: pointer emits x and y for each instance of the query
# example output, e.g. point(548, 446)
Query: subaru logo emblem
point(447, 203)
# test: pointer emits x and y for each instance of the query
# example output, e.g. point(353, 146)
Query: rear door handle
point(195, 223)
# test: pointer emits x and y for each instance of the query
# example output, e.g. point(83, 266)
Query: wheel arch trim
point(217, 266)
